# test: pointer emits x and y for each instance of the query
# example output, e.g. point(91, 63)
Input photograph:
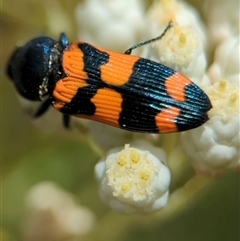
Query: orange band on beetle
point(175, 86)
point(165, 120)
point(65, 90)
point(108, 106)
point(73, 62)
point(118, 69)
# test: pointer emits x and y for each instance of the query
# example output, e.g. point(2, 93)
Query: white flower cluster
point(133, 180)
point(214, 146)
point(130, 179)
point(53, 214)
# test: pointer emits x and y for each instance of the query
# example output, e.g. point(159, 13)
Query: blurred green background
point(29, 155)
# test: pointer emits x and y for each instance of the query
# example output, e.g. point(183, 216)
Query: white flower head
point(133, 180)
point(180, 12)
point(54, 215)
point(182, 46)
point(115, 25)
point(214, 146)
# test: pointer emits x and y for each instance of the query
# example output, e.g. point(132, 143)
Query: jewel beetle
point(121, 90)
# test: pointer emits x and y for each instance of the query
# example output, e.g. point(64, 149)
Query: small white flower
point(115, 25)
point(226, 61)
point(180, 12)
point(182, 47)
point(133, 180)
point(54, 215)
point(214, 146)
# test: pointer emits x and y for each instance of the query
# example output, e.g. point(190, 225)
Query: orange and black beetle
point(120, 90)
